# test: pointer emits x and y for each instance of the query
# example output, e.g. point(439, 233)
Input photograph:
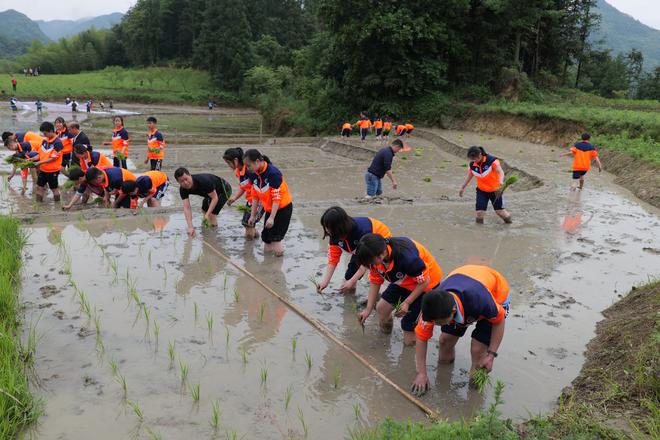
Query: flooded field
point(143, 331)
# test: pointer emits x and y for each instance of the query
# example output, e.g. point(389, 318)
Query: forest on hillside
point(333, 56)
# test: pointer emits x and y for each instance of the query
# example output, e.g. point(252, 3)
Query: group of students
point(380, 127)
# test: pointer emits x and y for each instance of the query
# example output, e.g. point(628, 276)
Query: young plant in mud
point(149, 258)
point(147, 317)
point(397, 306)
point(263, 373)
point(121, 380)
point(196, 308)
point(357, 410)
point(303, 423)
point(209, 321)
point(195, 392)
point(480, 379)
point(171, 352)
point(215, 415)
point(262, 309)
point(156, 332)
point(244, 355)
point(227, 336)
point(294, 344)
point(315, 283)
point(153, 434)
point(336, 377)
point(237, 296)
point(136, 410)
point(114, 367)
point(308, 360)
point(288, 394)
point(183, 372)
point(224, 283)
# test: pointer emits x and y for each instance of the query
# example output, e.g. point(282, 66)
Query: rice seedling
point(97, 322)
point(209, 321)
point(100, 346)
point(156, 331)
point(149, 258)
point(263, 373)
point(237, 296)
point(308, 360)
point(147, 316)
point(121, 380)
point(136, 409)
point(113, 266)
point(357, 410)
point(227, 336)
point(315, 283)
point(288, 394)
point(135, 296)
point(243, 209)
point(262, 309)
point(303, 423)
point(206, 223)
point(195, 391)
point(215, 415)
point(183, 372)
point(336, 377)
point(244, 355)
point(232, 435)
point(427, 179)
point(114, 367)
point(171, 352)
point(153, 434)
point(508, 182)
point(196, 311)
point(480, 379)
point(224, 283)
point(397, 306)
point(294, 344)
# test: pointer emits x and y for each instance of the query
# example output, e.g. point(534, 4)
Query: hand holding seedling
point(486, 362)
point(320, 286)
point(402, 309)
point(420, 385)
point(363, 315)
point(191, 232)
point(346, 287)
point(251, 220)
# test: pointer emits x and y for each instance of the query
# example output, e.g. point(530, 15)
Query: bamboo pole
point(326, 332)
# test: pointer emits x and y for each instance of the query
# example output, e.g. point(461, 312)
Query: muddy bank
point(636, 175)
point(620, 374)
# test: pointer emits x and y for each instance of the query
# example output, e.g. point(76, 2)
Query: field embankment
point(17, 405)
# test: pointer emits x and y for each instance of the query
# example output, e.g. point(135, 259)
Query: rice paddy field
point(144, 332)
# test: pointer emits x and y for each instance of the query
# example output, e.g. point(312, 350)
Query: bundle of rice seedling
point(480, 379)
point(155, 150)
point(243, 209)
point(69, 184)
point(206, 223)
point(507, 183)
point(120, 155)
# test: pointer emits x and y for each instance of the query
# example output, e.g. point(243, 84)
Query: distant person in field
point(150, 187)
point(155, 145)
point(88, 106)
point(13, 83)
point(381, 166)
point(488, 171)
point(49, 162)
point(111, 105)
point(211, 104)
point(584, 152)
point(120, 141)
point(364, 123)
point(400, 130)
point(344, 233)
point(214, 190)
point(378, 126)
point(233, 157)
point(13, 103)
point(273, 193)
point(387, 128)
point(74, 106)
point(409, 128)
point(67, 101)
point(410, 271)
point(39, 106)
point(346, 129)
point(471, 294)
point(67, 141)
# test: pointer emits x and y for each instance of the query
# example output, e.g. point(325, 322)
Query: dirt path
point(567, 257)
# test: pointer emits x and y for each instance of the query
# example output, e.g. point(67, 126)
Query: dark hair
point(372, 245)
point(47, 127)
point(128, 186)
point(76, 173)
point(120, 118)
point(151, 119)
point(180, 172)
point(437, 304)
point(61, 119)
point(6, 135)
point(475, 151)
point(336, 223)
point(92, 174)
point(74, 125)
point(253, 155)
point(80, 148)
point(234, 153)
point(397, 143)
point(586, 136)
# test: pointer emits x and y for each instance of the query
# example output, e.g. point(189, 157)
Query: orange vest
point(155, 141)
point(67, 141)
point(488, 179)
point(120, 141)
point(157, 179)
point(267, 195)
point(391, 273)
point(47, 150)
point(378, 124)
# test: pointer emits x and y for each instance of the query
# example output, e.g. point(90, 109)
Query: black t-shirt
point(382, 162)
point(205, 183)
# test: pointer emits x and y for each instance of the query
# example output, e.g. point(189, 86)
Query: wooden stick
point(326, 332)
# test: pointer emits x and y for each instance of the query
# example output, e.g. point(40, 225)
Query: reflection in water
point(574, 215)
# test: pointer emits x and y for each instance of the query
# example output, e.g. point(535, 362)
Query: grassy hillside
point(621, 33)
point(56, 29)
point(18, 26)
point(155, 84)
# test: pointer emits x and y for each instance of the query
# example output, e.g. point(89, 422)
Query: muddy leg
point(153, 203)
point(581, 182)
point(504, 215)
point(39, 193)
point(384, 314)
point(480, 217)
point(278, 248)
point(214, 220)
point(477, 351)
point(447, 352)
point(409, 339)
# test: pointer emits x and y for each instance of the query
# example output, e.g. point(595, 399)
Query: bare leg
point(409, 338)
point(478, 351)
point(480, 217)
point(581, 182)
point(447, 352)
point(384, 314)
point(278, 248)
point(214, 220)
point(504, 215)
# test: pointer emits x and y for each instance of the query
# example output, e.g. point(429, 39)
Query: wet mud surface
point(567, 257)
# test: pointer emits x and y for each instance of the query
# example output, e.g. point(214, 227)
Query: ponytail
point(234, 153)
point(475, 151)
point(253, 155)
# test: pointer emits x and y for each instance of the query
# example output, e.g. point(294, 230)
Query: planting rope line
point(324, 330)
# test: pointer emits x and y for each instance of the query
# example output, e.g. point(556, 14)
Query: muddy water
point(567, 256)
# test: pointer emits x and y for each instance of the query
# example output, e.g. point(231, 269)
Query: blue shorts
point(379, 131)
point(364, 132)
point(395, 293)
point(578, 174)
point(482, 330)
point(246, 216)
point(374, 184)
point(484, 197)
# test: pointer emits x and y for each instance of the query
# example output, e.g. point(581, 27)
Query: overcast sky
point(646, 11)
